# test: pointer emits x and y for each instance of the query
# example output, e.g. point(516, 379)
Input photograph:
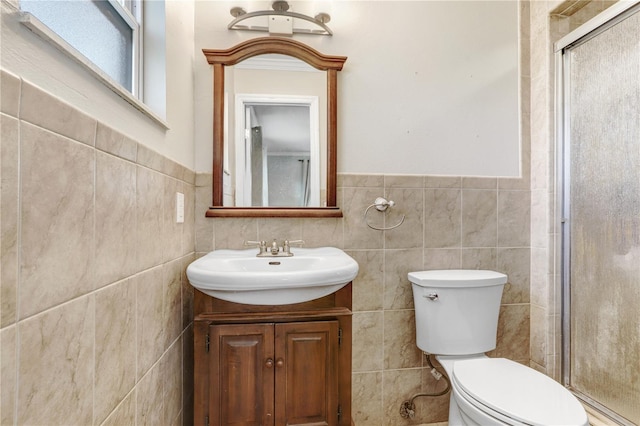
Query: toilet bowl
point(497, 391)
point(456, 320)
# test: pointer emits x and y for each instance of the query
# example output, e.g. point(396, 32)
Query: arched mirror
point(274, 134)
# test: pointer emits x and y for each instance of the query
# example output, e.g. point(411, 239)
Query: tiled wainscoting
point(96, 309)
point(451, 222)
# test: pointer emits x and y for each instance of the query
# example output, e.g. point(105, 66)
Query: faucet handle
point(287, 244)
point(262, 245)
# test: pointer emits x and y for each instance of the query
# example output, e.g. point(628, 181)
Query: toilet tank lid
point(457, 278)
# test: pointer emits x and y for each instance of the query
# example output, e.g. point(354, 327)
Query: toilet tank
point(457, 310)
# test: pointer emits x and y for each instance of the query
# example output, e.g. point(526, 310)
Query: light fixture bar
point(280, 9)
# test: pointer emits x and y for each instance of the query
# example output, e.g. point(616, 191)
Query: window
point(106, 32)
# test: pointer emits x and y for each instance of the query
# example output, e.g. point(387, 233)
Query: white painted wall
point(28, 56)
point(430, 87)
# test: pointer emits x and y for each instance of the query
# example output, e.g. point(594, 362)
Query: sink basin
point(242, 277)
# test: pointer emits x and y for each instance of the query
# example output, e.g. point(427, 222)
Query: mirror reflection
point(275, 137)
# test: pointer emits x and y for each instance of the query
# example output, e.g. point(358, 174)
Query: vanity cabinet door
point(242, 375)
point(306, 388)
point(270, 374)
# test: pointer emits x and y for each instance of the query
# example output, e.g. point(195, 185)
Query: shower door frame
point(592, 28)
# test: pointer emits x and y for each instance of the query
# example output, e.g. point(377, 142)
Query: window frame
point(132, 11)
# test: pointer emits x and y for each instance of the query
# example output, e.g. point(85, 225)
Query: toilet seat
point(509, 391)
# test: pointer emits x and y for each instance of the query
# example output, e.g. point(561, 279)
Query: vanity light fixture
point(280, 21)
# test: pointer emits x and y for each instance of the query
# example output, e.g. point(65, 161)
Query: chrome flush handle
point(432, 296)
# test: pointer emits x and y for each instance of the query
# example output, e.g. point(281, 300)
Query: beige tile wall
point(451, 222)
point(542, 198)
point(96, 309)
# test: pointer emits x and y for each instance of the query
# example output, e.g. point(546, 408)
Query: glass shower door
point(602, 210)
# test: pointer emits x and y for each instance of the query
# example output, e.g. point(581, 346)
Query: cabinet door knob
point(279, 362)
point(269, 363)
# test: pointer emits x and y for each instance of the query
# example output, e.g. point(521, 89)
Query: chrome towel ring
point(381, 205)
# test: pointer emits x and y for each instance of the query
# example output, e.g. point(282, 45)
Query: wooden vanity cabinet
point(266, 374)
point(273, 365)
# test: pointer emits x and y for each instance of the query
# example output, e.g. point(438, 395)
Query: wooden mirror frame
point(284, 46)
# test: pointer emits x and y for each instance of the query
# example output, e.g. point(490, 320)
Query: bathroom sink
point(242, 277)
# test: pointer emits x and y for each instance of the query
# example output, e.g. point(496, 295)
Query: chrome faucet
point(274, 250)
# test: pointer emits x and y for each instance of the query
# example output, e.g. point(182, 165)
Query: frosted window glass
point(605, 218)
point(94, 28)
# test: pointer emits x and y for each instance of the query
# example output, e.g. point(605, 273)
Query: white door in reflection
point(277, 151)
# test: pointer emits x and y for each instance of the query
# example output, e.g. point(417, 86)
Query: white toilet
point(457, 320)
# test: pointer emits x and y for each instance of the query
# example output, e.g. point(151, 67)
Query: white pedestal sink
point(242, 277)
